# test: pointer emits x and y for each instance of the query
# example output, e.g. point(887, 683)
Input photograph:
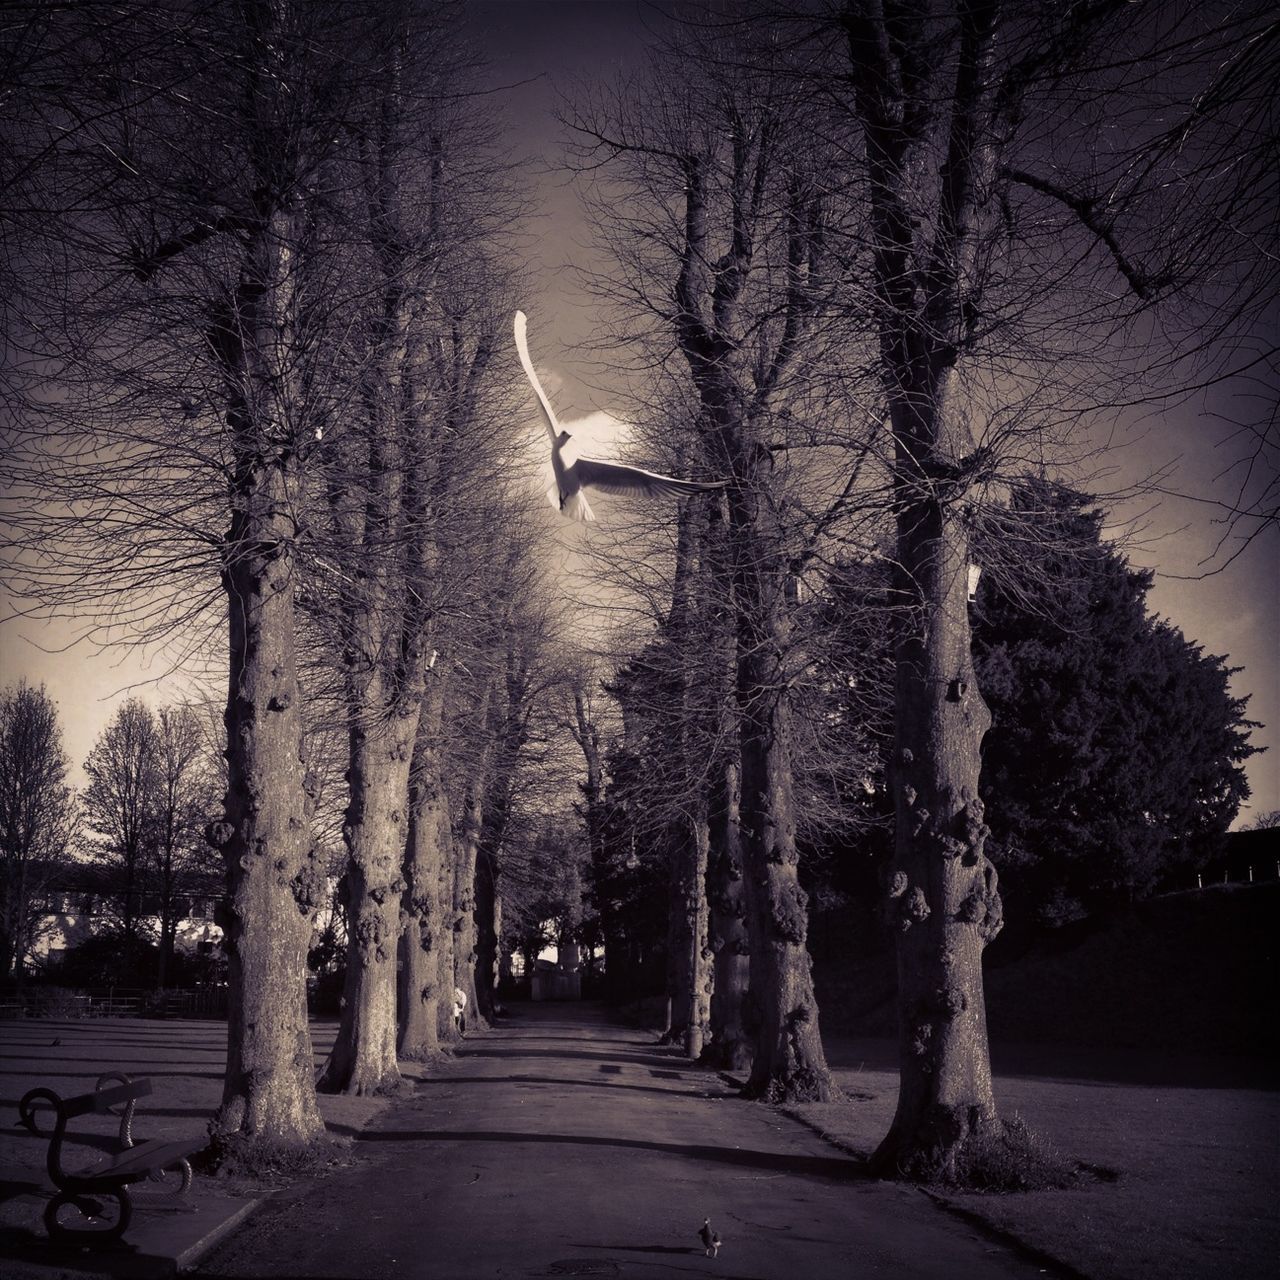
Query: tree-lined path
point(563, 1144)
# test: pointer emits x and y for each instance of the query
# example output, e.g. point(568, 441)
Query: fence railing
point(114, 1002)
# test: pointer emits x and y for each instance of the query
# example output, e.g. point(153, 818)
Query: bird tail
point(576, 507)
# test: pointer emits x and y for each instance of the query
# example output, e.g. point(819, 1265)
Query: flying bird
point(573, 474)
point(710, 1241)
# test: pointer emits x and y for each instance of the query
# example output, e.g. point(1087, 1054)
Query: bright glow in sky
point(537, 48)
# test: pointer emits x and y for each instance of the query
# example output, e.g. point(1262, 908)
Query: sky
point(537, 48)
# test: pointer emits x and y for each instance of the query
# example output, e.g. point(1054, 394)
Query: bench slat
point(147, 1156)
point(104, 1099)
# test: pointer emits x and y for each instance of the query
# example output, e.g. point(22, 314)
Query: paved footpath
point(561, 1144)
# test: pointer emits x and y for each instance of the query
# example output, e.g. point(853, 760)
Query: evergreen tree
point(1116, 746)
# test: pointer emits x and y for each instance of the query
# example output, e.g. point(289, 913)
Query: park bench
point(92, 1207)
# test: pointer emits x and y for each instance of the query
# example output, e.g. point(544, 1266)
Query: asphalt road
point(561, 1144)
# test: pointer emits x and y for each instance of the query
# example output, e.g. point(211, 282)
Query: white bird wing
point(522, 346)
point(615, 477)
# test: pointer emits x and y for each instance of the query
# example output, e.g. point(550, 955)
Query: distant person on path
point(460, 1010)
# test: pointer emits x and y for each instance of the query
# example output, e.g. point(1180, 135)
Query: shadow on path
point(838, 1168)
point(567, 1082)
point(582, 1055)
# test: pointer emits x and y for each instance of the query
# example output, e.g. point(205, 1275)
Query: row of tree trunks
point(506, 731)
point(587, 735)
point(725, 178)
point(464, 881)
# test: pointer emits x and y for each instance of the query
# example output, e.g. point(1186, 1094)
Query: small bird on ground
point(573, 473)
point(710, 1241)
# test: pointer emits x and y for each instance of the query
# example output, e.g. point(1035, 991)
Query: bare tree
point(377, 496)
point(172, 395)
point(182, 794)
point(723, 254)
point(36, 819)
point(119, 812)
point(1021, 190)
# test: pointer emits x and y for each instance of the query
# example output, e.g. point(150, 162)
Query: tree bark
point(446, 1026)
point(587, 736)
point(703, 973)
point(466, 853)
point(273, 882)
point(943, 897)
point(728, 1046)
point(507, 731)
point(788, 1061)
point(363, 1059)
point(486, 924)
point(424, 918)
point(734, 395)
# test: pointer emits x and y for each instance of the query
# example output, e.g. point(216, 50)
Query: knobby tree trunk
point(385, 525)
point(699, 1028)
point(687, 969)
point(363, 1059)
point(715, 310)
point(273, 883)
point(943, 896)
point(688, 973)
point(729, 1046)
point(425, 922)
point(466, 855)
point(788, 1060)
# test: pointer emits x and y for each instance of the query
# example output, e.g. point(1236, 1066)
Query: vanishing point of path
point(562, 1144)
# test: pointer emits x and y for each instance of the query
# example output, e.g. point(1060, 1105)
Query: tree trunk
point(943, 898)
point(269, 1091)
point(943, 895)
point(595, 816)
point(466, 852)
point(729, 1046)
point(687, 969)
point(486, 926)
point(788, 1062)
point(446, 1025)
point(714, 312)
point(273, 883)
point(703, 973)
point(501, 958)
point(423, 915)
point(363, 1058)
